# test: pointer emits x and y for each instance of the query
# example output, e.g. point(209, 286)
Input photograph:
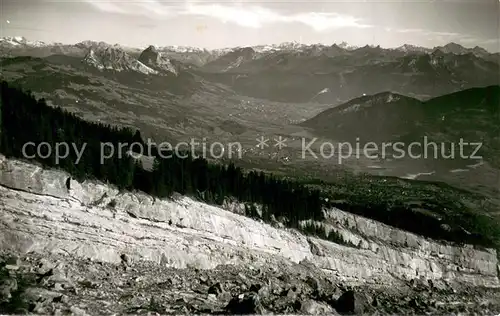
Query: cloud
point(443, 36)
point(439, 36)
point(491, 41)
point(446, 34)
point(479, 41)
point(243, 14)
point(325, 21)
point(248, 16)
point(23, 28)
point(408, 30)
point(426, 32)
point(150, 8)
point(148, 26)
point(446, 37)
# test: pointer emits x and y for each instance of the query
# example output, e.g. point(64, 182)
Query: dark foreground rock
point(351, 302)
point(63, 285)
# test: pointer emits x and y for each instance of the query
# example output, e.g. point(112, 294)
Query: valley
point(398, 221)
point(209, 101)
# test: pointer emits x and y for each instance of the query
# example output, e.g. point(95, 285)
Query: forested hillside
point(26, 119)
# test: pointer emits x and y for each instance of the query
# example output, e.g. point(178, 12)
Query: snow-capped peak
point(412, 48)
point(179, 49)
point(285, 46)
point(294, 45)
point(346, 46)
point(20, 41)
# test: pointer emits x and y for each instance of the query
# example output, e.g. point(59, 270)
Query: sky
point(218, 24)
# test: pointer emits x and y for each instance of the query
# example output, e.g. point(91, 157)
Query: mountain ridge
point(471, 115)
point(293, 45)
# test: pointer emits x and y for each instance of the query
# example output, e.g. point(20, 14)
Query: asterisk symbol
point(280, 142)
point(262, 142)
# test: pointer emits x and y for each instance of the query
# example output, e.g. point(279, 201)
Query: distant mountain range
point(287, 72)
point(21, 42)
point(334, 74)
point(370, 92)
point(20, 46)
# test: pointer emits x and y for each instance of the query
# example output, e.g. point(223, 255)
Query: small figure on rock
point(68, 183)
point(125, 261)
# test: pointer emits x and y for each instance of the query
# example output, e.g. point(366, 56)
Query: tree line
point(26, 119)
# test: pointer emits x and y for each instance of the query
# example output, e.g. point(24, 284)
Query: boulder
point(351, 302)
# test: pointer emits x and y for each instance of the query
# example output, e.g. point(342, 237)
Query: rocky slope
point(155, 60)
point(93, 221)
point(69, 285)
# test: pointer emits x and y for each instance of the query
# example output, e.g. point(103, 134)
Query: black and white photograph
point(249, 157)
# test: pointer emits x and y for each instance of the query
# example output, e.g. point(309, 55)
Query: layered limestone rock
point(92, 220)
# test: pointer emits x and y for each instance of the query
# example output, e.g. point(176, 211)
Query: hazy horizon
point(223, 24)
point(229, 47)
